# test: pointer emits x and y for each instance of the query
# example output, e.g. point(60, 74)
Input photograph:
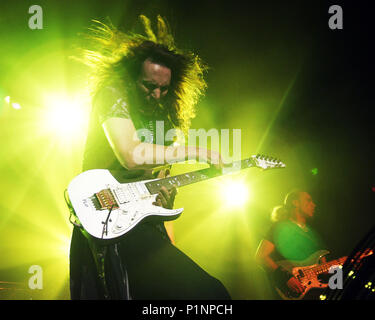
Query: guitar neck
point(197, 176)
point(325, 266)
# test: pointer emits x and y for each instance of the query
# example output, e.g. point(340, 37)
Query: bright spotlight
point(67, 118)
point(16, 106)
point(235, 193)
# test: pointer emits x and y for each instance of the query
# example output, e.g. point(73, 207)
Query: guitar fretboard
point(200, 175)
point(325, 266)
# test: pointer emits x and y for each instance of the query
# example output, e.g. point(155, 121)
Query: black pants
point(155, 270)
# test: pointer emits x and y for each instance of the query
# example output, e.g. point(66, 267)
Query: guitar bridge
point(105, 200)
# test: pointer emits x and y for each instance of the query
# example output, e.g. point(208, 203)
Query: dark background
point(255, 48)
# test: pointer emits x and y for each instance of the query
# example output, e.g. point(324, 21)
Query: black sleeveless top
point(109, 102)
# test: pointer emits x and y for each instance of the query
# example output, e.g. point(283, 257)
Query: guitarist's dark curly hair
point(116, 59)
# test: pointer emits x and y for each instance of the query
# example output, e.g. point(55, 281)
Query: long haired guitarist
point(138, 80)
point(291, 239)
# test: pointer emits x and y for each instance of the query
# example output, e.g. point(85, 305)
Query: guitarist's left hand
point(165, 198)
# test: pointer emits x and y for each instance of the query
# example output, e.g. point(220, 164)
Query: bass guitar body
point(305, 273)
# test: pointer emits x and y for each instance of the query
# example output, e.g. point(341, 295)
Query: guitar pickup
point(106, 200)
point(121, 195)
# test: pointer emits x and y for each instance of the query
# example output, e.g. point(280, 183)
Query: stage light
point(65, 117)
point(16, 106)
point(234, 193)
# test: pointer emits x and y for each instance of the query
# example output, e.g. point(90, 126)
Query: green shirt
point(292, 242)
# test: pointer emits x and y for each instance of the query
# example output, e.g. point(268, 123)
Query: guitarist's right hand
point(294, 285)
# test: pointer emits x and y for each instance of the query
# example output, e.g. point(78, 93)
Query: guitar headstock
point(363, 254)
point(266, 162)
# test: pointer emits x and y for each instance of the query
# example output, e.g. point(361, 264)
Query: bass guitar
point(308, 271)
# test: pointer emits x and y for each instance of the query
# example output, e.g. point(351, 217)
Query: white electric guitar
point(108, 209)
